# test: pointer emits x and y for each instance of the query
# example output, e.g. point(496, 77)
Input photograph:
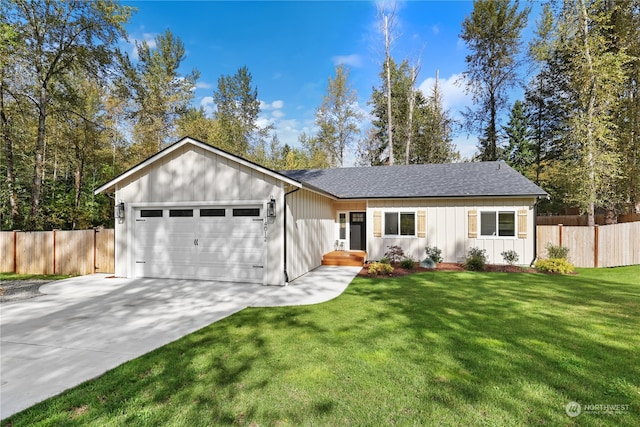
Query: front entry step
point(345, 258)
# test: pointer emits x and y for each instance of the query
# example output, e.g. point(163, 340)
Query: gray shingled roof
point(410, 181)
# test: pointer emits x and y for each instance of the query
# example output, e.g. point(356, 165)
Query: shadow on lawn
point(545, 340)
point(489, 348)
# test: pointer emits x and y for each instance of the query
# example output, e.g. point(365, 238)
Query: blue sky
point(292, 47)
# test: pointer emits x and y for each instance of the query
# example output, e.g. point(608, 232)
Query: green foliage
point(555, 251)
point(476, 259)
point(554, 265)
point(338, 117)
point(394, 254)
point(408, 264)
point(434, 253)
point(385, 260)
point(510, 257)
point(378, 268)
point(428, 263)
point(237, 110)
point(429, 130)
point(492, 34)
point(160, 93)
point(520, 153)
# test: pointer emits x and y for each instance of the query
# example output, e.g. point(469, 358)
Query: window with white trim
point(343, 225)
point(498, 223)
point(400, 223)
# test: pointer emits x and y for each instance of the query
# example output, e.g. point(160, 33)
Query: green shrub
point(510, 257)
point(428, 263)
point(476, 259)
point(380, 268)
point(385, 261)
point(434, 253)
point(556, 252)
point(408, 264)
point(555, 265)
point(394, 254)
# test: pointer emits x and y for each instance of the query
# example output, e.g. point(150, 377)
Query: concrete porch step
point(345, 258)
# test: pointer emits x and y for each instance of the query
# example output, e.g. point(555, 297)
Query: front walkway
point(320, 285)
point(85, 326)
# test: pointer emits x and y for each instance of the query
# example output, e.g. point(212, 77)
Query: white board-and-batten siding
point(447, 227)
point(310, 231)
point(194, 176)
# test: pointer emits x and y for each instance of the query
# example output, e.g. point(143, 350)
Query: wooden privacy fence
point(58, 252)
point(596, 246)
point(570, 220)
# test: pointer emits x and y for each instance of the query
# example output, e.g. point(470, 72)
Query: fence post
point(95, 258)
point(560, 234)
point(54, 251)
point(15, 251)
point(595, 246)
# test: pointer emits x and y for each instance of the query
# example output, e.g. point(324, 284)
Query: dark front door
point(358, 234)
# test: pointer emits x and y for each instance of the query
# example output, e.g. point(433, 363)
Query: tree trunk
point(8, 149)
point(410, 118)
point(590, 117)
point(387, 48)
point(36, 189)
point(492, 137)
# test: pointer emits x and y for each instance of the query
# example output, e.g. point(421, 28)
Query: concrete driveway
point(88, 325)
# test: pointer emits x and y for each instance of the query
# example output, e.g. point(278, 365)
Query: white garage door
point(207, 243)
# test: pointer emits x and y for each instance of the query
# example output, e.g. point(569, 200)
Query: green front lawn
point(438, 348)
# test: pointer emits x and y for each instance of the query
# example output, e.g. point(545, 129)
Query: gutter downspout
point(286, 275)
point(535, 232)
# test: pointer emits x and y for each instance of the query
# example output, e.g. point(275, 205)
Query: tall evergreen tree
point(520, 151)
point(492, 33)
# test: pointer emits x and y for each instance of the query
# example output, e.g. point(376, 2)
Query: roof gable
point(420, 181)
point(110, 186)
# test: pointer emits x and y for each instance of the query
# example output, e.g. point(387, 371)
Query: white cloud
point(278, 114)
point(353, 60)
point(208, 105)
point(203, 85)
point(435, 30)
point(275, 105)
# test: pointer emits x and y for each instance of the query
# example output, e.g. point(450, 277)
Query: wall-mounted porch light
point(271, 208)
point(118, 211)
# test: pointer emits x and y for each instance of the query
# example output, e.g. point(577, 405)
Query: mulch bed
point(448, 266)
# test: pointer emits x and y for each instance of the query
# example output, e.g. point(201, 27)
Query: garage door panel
point(222, 273)
point(222, 243)
point(223, 248)
point(230, 258)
